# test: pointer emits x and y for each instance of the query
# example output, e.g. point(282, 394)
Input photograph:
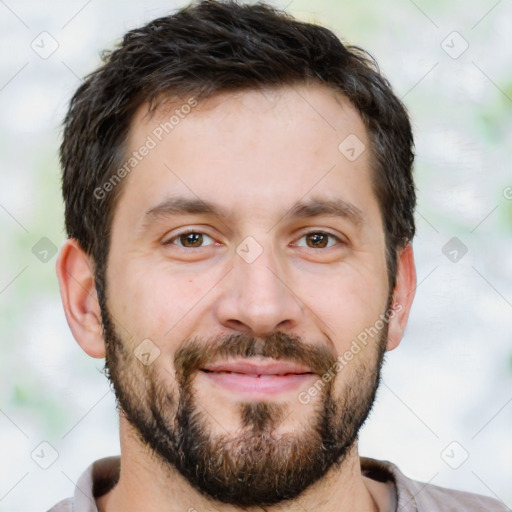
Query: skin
point(255, 155)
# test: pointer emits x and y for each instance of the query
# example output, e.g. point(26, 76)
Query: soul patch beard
point(257, 466)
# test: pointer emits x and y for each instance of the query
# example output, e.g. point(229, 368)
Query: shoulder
point(96, 480)
point(414, 496)
point(432, 497)
point(63, 506)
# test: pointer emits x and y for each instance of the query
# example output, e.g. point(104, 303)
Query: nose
point(256, 297)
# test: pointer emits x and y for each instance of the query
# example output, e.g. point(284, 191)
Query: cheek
point(346, 302)
point(151, 301)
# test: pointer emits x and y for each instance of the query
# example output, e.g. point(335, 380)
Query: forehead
point(253, 152)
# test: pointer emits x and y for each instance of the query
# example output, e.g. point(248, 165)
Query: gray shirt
point(410, 495)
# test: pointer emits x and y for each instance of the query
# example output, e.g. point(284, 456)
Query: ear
point(78, 292)
point(403, 296)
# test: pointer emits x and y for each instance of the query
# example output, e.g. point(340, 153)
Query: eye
point(318, 240)
point(190, 240)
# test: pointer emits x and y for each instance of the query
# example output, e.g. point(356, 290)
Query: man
point(239, 203)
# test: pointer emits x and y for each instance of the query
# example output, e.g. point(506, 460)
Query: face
point(247, 260)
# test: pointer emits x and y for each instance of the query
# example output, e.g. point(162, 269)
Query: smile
point(257, 379)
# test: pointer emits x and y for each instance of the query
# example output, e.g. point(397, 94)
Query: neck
point(144, 484)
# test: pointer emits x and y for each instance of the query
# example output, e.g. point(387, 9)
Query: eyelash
point(313, 232)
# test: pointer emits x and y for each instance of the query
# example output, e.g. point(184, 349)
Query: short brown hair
point(220, 46)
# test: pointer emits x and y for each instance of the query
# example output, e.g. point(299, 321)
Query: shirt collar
point(102, 475)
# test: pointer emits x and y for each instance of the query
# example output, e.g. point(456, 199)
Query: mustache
point(196, 353)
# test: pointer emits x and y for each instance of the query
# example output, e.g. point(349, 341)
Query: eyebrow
point(179, 205)
point(330, 207)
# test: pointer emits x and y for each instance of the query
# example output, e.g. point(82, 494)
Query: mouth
point(259, 378)
point(257, 374)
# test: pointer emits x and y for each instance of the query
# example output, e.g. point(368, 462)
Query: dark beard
point(257, 467)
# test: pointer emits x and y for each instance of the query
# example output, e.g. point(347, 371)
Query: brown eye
point(190, 240)
point(318, 240)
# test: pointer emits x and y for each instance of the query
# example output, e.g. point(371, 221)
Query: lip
point(262, 367)
point(257, 379)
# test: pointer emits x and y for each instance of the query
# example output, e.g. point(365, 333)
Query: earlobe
point(78, 293)
point(403, 296)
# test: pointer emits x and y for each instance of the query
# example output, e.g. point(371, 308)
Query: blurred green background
point(448, 387)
